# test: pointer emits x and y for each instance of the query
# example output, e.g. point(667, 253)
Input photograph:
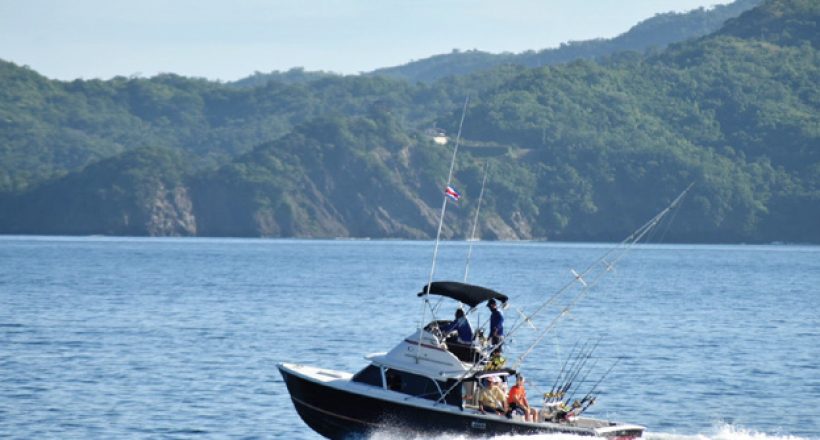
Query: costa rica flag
point(452, 193)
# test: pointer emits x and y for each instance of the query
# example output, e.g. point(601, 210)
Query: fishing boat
point(428, 384)
point(431, 381)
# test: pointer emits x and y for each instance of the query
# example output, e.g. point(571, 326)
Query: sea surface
point(179, 338)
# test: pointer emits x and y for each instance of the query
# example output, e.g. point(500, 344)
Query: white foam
point(724, 431)
point(409, 435)
point(718, 432)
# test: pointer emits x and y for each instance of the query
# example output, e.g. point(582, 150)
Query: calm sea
point(178, 338)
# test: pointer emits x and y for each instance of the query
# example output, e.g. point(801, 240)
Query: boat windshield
point(407, 383)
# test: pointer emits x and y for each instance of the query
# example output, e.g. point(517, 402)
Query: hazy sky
point(227, 40)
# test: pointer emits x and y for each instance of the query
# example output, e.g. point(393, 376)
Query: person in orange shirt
point(517, 400)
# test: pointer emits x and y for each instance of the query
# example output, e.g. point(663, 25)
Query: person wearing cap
point(517, 400)
point(492, 397)
point(496, 324)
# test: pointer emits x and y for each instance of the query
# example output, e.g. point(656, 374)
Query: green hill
point(48, 128)
point(140, 192)
point(582, 151)
point(739, 116)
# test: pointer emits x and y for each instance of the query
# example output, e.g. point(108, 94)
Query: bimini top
point(466, 293)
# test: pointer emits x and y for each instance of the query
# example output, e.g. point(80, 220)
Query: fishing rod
point(586, 374)
point(554, 389)
point(559, 388)
point(603, 266)
point(582, 381)
point(589, 399)
point(595, 387)
point(571, 372)
point(426, 302)
point(584, 360)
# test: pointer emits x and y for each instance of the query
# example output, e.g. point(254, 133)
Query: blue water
point(178, 338)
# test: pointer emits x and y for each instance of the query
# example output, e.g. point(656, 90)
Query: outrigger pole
point(440, 224)
point(475, 221)
point(608, 266)
point(603, 265)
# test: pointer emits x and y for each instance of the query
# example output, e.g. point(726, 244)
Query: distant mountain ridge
point(656, 32)
point(653, 33)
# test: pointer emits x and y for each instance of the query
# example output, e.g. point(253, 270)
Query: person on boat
point(461, 325)
point(496, 324)
point(492, 397)
point(556, 412)
point(496, 361)
point(517, 400)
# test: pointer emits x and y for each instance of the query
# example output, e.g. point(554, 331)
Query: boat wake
point(726, 432)
point(718, 432)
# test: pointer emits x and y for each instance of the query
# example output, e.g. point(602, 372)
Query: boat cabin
point(409, 383)
point(428, 364)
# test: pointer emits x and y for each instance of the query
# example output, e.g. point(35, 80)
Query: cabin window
point(369, 375)
point(413, 384)
point(455, 396)
point(468, 390)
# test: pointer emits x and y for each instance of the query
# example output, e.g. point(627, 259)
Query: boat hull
point(342, 414)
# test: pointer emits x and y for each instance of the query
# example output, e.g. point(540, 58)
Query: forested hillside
point(141, 192)
point(50, 127)
point(582, 151)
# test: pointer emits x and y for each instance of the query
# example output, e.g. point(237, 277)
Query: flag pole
point(440, 224)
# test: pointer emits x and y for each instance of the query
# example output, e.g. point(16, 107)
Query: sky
point(228, 40)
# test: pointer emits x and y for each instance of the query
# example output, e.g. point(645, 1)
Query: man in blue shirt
point(462, 326)
point(496, 324)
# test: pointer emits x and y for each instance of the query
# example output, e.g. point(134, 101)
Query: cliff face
point(139, 193)
point(337, 177)
point(170, 213)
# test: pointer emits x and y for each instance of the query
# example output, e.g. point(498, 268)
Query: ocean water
point(178, 338)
